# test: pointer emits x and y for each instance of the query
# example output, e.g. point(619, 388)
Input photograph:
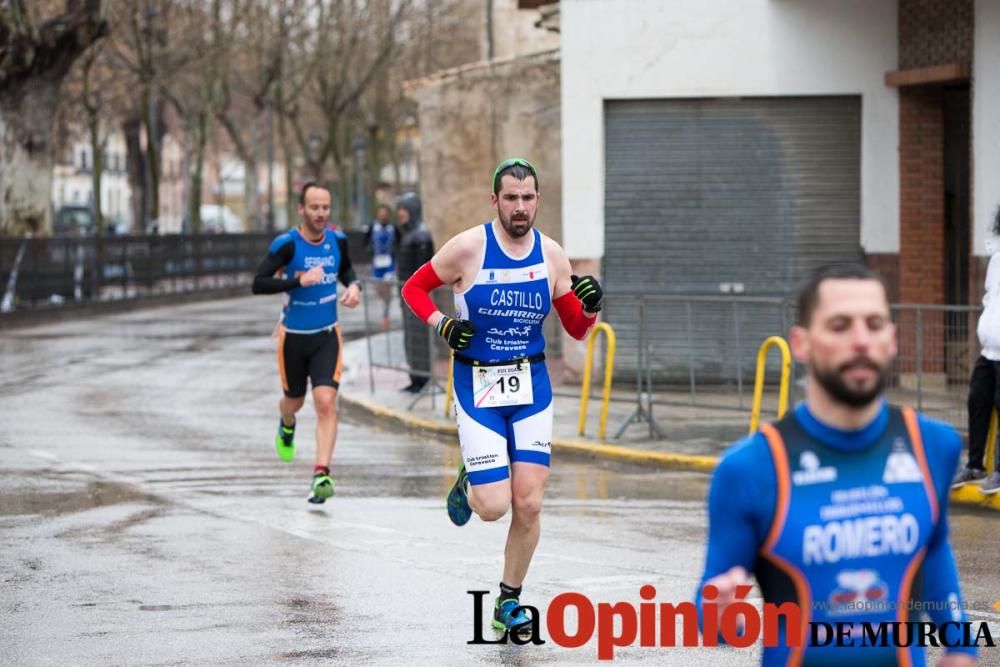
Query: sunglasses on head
point(513, 162)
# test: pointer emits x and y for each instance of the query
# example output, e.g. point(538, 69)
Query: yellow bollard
point(758, 387)
point(991, 444)
point(609, 364)
point(451, 385)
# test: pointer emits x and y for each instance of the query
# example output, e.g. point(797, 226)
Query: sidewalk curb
point(971, 495)
point(968, 495)
point(668, 460)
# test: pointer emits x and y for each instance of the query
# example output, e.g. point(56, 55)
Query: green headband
point(513, 162)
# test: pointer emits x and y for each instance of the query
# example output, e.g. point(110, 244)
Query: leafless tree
point(95, 88)
point(195, 90)
point(359, 39)
point(385, 110)
point(38, 46)
point(142, 45)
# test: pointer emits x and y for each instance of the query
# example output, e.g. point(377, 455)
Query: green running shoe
point(284, 441)
point(322, 488)
point(458, 499)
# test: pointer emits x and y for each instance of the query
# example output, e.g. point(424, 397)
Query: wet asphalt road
point(144, 518)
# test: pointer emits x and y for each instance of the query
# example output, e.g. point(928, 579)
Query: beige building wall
point(471, 118)
point(515, 32)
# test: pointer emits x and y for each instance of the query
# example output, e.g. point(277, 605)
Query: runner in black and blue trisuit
point(382, 240)
point(304, 265)
point(505, 276)
point(842, 505)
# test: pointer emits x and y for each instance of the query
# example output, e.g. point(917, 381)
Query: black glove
point(588, 292)
point(458, 333)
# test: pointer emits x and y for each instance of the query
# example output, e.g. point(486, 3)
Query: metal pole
point(124, 272)
point(638, 353)
point(920, 354)
point(687, 309)
point(739, 355)
point(368, 332)
point(7, 304)
point(793, 385)
point(388, 347)
point(431, 379)
point(649, 392)
point(270, 171)
point(78, 273)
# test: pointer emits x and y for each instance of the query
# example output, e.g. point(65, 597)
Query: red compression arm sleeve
point(416, 291)
point(574, 321)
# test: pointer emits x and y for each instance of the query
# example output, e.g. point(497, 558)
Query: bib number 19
point(498, 386)
point(509, 385)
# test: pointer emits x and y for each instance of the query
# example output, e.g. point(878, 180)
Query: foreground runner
point(310, 259)
point(842, 506)
point(505, 276)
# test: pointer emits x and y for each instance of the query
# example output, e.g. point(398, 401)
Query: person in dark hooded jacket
point(414, 249)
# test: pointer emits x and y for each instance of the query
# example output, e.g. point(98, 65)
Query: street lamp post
point(360, 194)
point(270, 169)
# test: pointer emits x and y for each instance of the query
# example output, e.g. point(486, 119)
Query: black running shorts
point(314, 356)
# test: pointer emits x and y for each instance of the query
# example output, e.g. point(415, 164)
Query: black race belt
point(469, 361)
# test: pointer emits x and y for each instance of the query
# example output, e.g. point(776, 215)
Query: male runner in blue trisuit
point(505, 276)
point(382, 239)
point(310, 259)
point(842, 505)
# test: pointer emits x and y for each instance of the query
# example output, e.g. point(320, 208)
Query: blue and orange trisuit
point(849, 525)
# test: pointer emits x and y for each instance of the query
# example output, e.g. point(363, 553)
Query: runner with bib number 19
point(506, 276)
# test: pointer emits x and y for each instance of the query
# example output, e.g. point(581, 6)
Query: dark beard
point(833, 382)
point(512, 231)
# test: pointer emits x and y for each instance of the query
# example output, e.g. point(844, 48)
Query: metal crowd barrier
point(42, 272)
point(990, 455)
point(758, 387)
point(699, 352)
point(609, 366)
point(393, 358)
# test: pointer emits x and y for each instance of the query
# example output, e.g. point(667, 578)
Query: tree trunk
point(26, 157)
point(97, 150)
point(291, 197)
point(135, 162)
point(251, 202)
point(34, 62)
point(345, 183)
point(149, 118)
point(196, 170)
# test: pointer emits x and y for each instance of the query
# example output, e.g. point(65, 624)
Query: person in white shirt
point(984, 387)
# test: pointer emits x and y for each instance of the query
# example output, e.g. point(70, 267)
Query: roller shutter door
point(700, 193)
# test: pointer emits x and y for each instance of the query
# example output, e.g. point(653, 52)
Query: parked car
point(73, 221)
point(217, 219)
point(79, 221)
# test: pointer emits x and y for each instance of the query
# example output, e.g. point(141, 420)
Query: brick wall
point(921, 242)
point(931, 32)
point(887, 266)
point(921, 164)
point(935, 32)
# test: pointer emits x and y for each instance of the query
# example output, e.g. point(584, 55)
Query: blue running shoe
point(509, 617)
point(458, 499)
